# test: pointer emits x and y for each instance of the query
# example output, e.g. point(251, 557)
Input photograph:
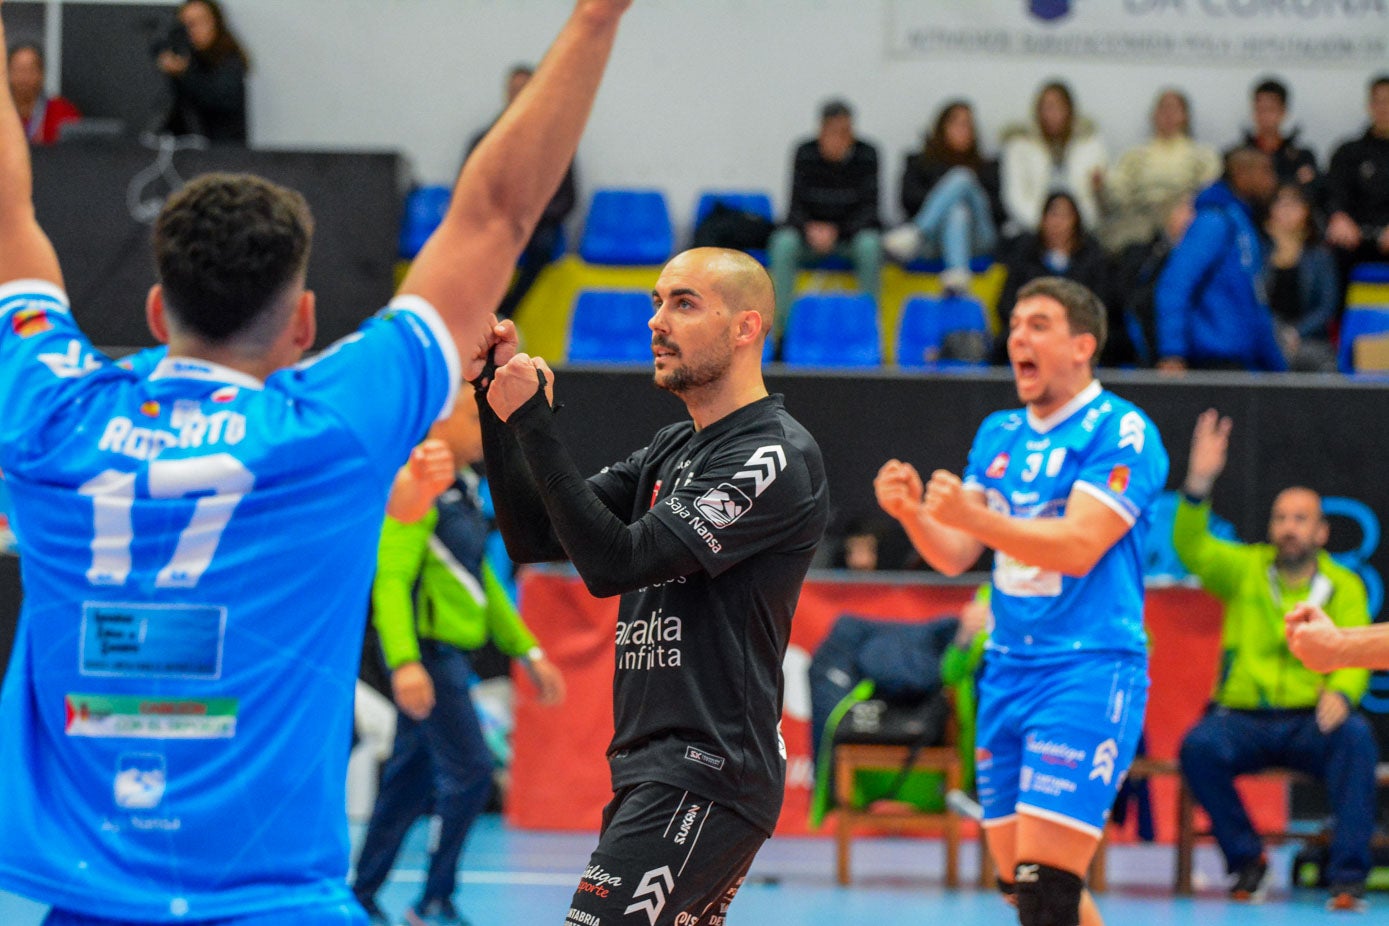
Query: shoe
point(1250, 881)
point(374, 915)
point(902, 242)
point(955, 282)
point(1347, 898)
point(434, 913)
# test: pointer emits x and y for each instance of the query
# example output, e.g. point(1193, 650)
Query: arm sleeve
point(399, 559)
point(504, 624)
point(517, 505)
point(1219, 564)
point(1349, 607)
point(1190, 263)
point(1125, 466)
point(610, 555)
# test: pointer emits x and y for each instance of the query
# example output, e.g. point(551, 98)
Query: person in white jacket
point(1058, 152)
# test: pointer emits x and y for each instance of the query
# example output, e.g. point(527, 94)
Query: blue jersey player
point(197, 532)
point(1061, 491)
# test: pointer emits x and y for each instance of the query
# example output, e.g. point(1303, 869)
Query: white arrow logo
point(651, 884)
point(763, 467)
point(72, 364)
point(1131, 431)
point(1103, 767)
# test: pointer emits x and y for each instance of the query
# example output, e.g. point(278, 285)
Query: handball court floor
point(516, 878)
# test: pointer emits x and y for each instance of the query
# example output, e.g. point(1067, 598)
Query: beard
point(1292, 554)
point(696, 373)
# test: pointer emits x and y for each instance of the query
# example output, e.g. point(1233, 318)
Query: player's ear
point(1085, 346)
point(154, 314)
point(305, 320)
point(748, 328)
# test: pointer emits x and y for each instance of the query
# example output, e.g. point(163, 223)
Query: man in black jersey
point(707, 533)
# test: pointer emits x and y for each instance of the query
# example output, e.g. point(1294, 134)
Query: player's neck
point(258, 367)
point(1298, 571)
point(718, 400)
point(1054, 402)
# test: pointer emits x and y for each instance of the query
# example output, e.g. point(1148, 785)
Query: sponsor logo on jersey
point(698, 524)
point(704, 758)
point(652, 643)
point(1103, 766)
point(29, 322)
point(74, 363)
point(1132, 431)
point(983, 759)
point(1054, 753)
point(596, 881)
point(138, 717)
point(149, 409)
point(998, 467)
point(687, 822)
point(191, 429)
point(655, 493)
point(762, 467)
point(723, 505)
point(1119, 479)
point(655, 887)
point(225, 394)
point(140, 780)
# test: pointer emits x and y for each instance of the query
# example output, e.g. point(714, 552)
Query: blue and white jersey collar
point(203, 370)
point(1082, 399)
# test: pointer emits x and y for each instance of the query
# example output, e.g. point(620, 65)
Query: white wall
point(700, 93)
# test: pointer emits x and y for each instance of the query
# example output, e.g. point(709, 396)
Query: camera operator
point(207, 69)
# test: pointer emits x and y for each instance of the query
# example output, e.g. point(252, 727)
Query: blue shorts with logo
point(1055, 737)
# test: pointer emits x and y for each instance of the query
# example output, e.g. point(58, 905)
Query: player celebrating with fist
point(1061, 491)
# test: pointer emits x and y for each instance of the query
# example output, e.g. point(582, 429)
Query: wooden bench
point(850, 758)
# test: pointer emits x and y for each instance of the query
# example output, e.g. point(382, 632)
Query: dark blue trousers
point(1226, 743)
point(441, 764)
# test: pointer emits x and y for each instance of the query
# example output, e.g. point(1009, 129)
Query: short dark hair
point(225, 248)
point(1378, 81)
point(1274, 86)
point(835, 109)
point(1085, 312)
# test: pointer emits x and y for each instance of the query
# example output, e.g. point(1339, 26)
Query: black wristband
point(489, 371)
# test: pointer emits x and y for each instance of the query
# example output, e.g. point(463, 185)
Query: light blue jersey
point(196, 548)
point(1026, 467)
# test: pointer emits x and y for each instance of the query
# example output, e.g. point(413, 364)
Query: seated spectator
point(1059, 151)
point(834, 209)
point(1291, 162)
point(1060, 247)
point(206, 67)
point(1136, 274)
point(1145, 182)
point(1267, 709)
point(1358, 188)
point(1211, 312)
point(950, 194)
point(541, 248)
point(1301, 282)
point(43, 116)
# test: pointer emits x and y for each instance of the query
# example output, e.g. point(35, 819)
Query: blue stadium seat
point(627, 227)
point(754, 201)
point(1358, 322)
point(936, 265)
point(833, 330)
point(609, 326)
point(1370, 273)
point(424, 210)
point(926, 320)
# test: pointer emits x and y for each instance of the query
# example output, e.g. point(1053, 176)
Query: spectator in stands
point(834, 209)
point(950, 195)
point(1211, 309)
point(1142, 186)
point(859, 544)
point(43, 116)
point(206, 67)
point(1358, 187)
point(1060, 247)
point(1137, 270)
point(1291, 162)
point(1267, 710)
point(1059, 151)
point(1301, 282)
point(546, 238)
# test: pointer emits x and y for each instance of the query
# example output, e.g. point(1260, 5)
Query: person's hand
point(899, 489)
point(1306, 174)
point(947, 502)
point(172, 64)
point(974, 617)
point(821, 237)
point(1210, 450)
point(1343, 232)
point(1332, 710)
point(1384, 240)
point(1289, 340)
point(499, 339)
point(432, 467)
point(1314, 638)
point(414, 690)
point(1171, 365)
point(516, 382)
point(605, 7)
point(549, 681)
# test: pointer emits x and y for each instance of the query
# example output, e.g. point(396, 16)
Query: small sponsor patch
point(225, 394)
point(704, 758)
point(149, 409)
point(149, 641)
point(1119, 479)
point(998, 467)
point(655, 494)
point(136, 717)
point(29, 322)
point(723, 505)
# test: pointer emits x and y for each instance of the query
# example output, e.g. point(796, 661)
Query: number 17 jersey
point(196, 548)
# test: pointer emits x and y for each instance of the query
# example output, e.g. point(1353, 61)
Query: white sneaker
point(902, 242)
point(956, 281)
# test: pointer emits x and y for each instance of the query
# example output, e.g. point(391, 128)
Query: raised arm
point(900, 492)
point(25, 251)
point(465, 266)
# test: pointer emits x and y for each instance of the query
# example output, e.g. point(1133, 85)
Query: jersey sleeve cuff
point(1110, 501)
point(425, 312)
point(13, 293)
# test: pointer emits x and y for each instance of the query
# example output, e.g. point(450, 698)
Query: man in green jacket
point(1268, 709)
point(435, 597)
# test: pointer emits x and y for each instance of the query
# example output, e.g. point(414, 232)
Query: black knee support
point(1009, 890)
point(1047, 896)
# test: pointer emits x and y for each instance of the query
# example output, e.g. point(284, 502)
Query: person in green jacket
point(435, 598)
point(1268, 709)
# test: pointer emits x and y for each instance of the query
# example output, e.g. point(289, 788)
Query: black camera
point(174, 40)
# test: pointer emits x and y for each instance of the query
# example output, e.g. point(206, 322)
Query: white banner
point(1263, 33)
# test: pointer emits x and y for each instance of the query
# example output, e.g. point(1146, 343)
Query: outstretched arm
point(25, 251)
point(465, 266)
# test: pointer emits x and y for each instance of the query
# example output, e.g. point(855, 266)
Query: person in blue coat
point(1212, 311)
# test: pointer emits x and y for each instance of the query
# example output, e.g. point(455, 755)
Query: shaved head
point(742, 283)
